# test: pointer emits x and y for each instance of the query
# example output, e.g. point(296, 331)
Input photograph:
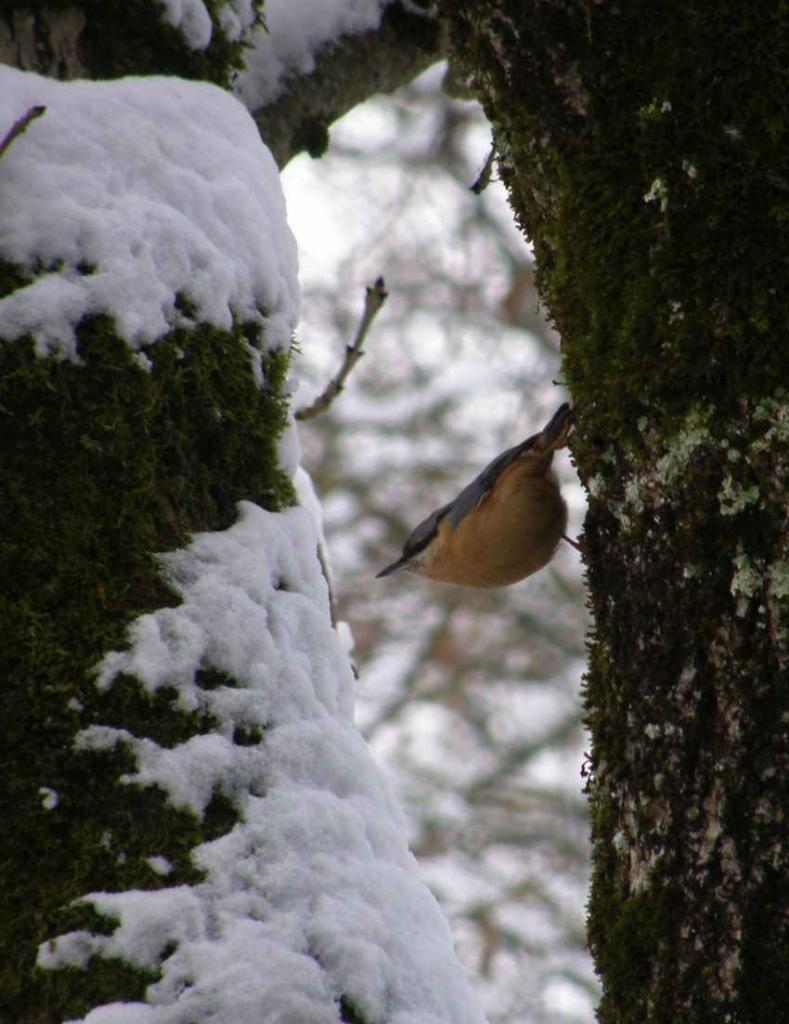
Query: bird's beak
point(391, 568)
point(557, 431)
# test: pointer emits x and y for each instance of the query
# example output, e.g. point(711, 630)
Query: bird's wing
point(482, 484)
point(551, 435)
point(422, 534)
point(419, 539)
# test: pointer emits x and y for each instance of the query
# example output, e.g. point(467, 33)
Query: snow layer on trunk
point(296, 30)
point(152, 200)
point(313, 895)
point(193, 21)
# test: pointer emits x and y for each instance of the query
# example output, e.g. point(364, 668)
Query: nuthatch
point(502, 527)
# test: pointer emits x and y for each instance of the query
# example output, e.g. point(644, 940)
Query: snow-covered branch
point(316, 61)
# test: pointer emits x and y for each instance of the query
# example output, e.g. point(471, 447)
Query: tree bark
point(110, 39)
point(98, 39)
point(346, 73)
point(645, 152)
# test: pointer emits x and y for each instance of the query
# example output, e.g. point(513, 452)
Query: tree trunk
point(113, 450)
point(104, 463)
point(86, 39)
point(645, 151)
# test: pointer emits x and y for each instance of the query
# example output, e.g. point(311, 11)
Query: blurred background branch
point(470, 699)
point(375, 296)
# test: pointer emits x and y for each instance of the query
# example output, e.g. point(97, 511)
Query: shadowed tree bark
point(645, 151)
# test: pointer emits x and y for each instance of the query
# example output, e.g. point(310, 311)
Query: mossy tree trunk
point(104, 462)
point(102, 465)
point(646, 152)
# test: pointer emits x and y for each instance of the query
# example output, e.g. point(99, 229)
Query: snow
point(124, 196)
point(236, 17)
point(310, 502)
point(192, 19)
point(295, 31)
point(159, 865)
point(49, 798)
point(313, 894)
point(164, 188)
point(289, 447)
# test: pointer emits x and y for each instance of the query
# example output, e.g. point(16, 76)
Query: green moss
point(211, 679)
point(247, 735)
point(312, 136)
point(349, 1014)
point(126, 701)
point(103, 465)
point(651, 296)
point(629, 952)
point(645, 153)
point(69, 986)
point(131, 37)
point(12, 277)
point(219, 816)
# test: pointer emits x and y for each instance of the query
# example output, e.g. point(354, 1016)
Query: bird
point(503, 526)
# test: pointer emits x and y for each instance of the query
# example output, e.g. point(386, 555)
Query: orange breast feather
point(509, 535)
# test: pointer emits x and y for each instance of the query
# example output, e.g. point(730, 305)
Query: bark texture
point(646, 152)
point(347, 72)
point(109, 39)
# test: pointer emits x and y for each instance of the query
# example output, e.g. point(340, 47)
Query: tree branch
point(19, 127)
point(347, 72)
point(374, 297)
point(484, 176)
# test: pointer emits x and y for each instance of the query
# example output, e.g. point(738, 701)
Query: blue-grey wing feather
point(482, 484)
point(422, 534)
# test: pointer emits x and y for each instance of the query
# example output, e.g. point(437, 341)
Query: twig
point(484, 176)
point(573, 543)
point(18, 127)
point(374, 298)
